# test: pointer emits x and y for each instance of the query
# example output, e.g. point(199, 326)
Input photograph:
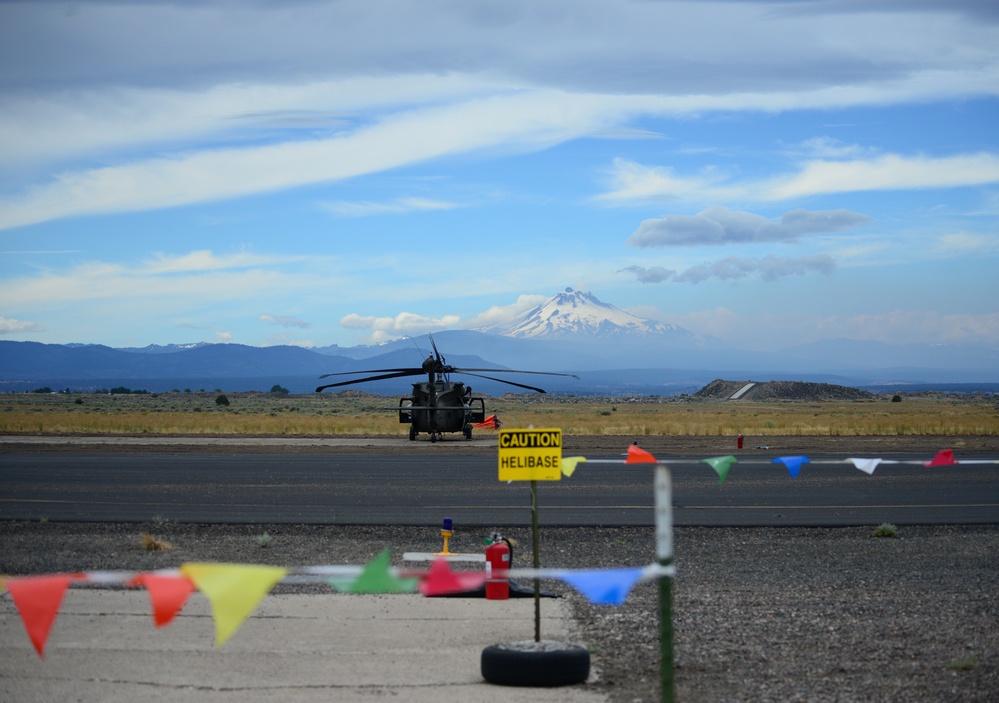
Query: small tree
point(279, 389)
point(221, 400)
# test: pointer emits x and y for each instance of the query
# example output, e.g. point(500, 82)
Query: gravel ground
point(760, 614)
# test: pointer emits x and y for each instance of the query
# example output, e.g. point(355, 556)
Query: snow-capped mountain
point(576, 314)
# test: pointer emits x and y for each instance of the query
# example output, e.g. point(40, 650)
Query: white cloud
point(402, 325)
point(11, 326)
point(888, 172)
point(501, 316)
point(633, 182)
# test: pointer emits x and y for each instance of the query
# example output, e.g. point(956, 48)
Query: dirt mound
point(780, 390)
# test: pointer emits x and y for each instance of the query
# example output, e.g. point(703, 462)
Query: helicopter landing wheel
point(412, 433)
point(467, 431)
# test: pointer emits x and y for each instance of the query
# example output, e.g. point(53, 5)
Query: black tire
point(541, 669)
point(412, 433)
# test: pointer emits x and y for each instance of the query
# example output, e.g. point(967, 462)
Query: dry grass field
point(356, 413)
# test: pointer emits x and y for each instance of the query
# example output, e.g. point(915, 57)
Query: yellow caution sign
point(530, 455)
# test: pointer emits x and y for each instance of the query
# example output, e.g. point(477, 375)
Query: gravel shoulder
point(759, 614)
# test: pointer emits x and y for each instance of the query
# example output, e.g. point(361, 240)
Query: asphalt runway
point(399, 489)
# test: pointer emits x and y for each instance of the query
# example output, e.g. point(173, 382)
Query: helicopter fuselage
point(441, 406)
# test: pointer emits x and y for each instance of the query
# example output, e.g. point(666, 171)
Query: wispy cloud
point(394, 207)
point(633, 182)
point(522, 120)
point(769, 268)
point(773, 331)
point(719, 225)
point(285, 321)
point(195, 279)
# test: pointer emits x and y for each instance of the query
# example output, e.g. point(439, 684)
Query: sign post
point(664, 554)
point(532, 455)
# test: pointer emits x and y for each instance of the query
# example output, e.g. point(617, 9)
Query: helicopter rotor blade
point(437, 354)
point(509, 383)
point(540, 373)
point(411, 369)
point(370, 378)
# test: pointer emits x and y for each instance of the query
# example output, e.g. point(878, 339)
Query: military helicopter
point(438, 405)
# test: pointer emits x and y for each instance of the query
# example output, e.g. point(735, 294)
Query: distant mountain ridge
point(610, 349)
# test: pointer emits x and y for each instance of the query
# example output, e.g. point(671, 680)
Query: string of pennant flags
point(235, 590)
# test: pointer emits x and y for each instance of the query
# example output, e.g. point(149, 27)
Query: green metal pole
point(664, 553)
point(537, 560)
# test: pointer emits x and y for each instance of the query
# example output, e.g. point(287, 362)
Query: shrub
point(222, 400)
point(885, 529)
point(154, 544)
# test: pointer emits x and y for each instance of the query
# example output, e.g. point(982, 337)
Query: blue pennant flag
point(793, 463)
point(606, 586)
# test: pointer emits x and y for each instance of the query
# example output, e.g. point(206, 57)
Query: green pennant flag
point(375, 578)
point(721, 464)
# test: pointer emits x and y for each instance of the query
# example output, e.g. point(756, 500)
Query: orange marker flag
point(38, 599)
point(167, 594)
point(639, 456)
point(234, 591)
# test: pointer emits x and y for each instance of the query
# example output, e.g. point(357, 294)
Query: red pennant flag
point(38, 599)
point(167, 594)
point(440, 580)
point(944, 457)
point(639, 456)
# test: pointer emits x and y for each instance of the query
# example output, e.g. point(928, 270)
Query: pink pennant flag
point(167, 594)
point(604, 586)
point(944, 457)
point(793, 463)
point(636, 455)
point(38, 599)
point(440, 580)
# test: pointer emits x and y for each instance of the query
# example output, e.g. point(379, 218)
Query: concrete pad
point(104, 647)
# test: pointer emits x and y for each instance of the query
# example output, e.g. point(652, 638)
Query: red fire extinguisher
point(497, 564)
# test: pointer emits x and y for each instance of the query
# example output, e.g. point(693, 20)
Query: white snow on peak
point(572, 313)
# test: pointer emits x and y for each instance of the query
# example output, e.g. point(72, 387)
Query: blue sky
point(314, 173)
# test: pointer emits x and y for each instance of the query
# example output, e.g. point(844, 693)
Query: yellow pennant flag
point(569, 464)
point(234, 591)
